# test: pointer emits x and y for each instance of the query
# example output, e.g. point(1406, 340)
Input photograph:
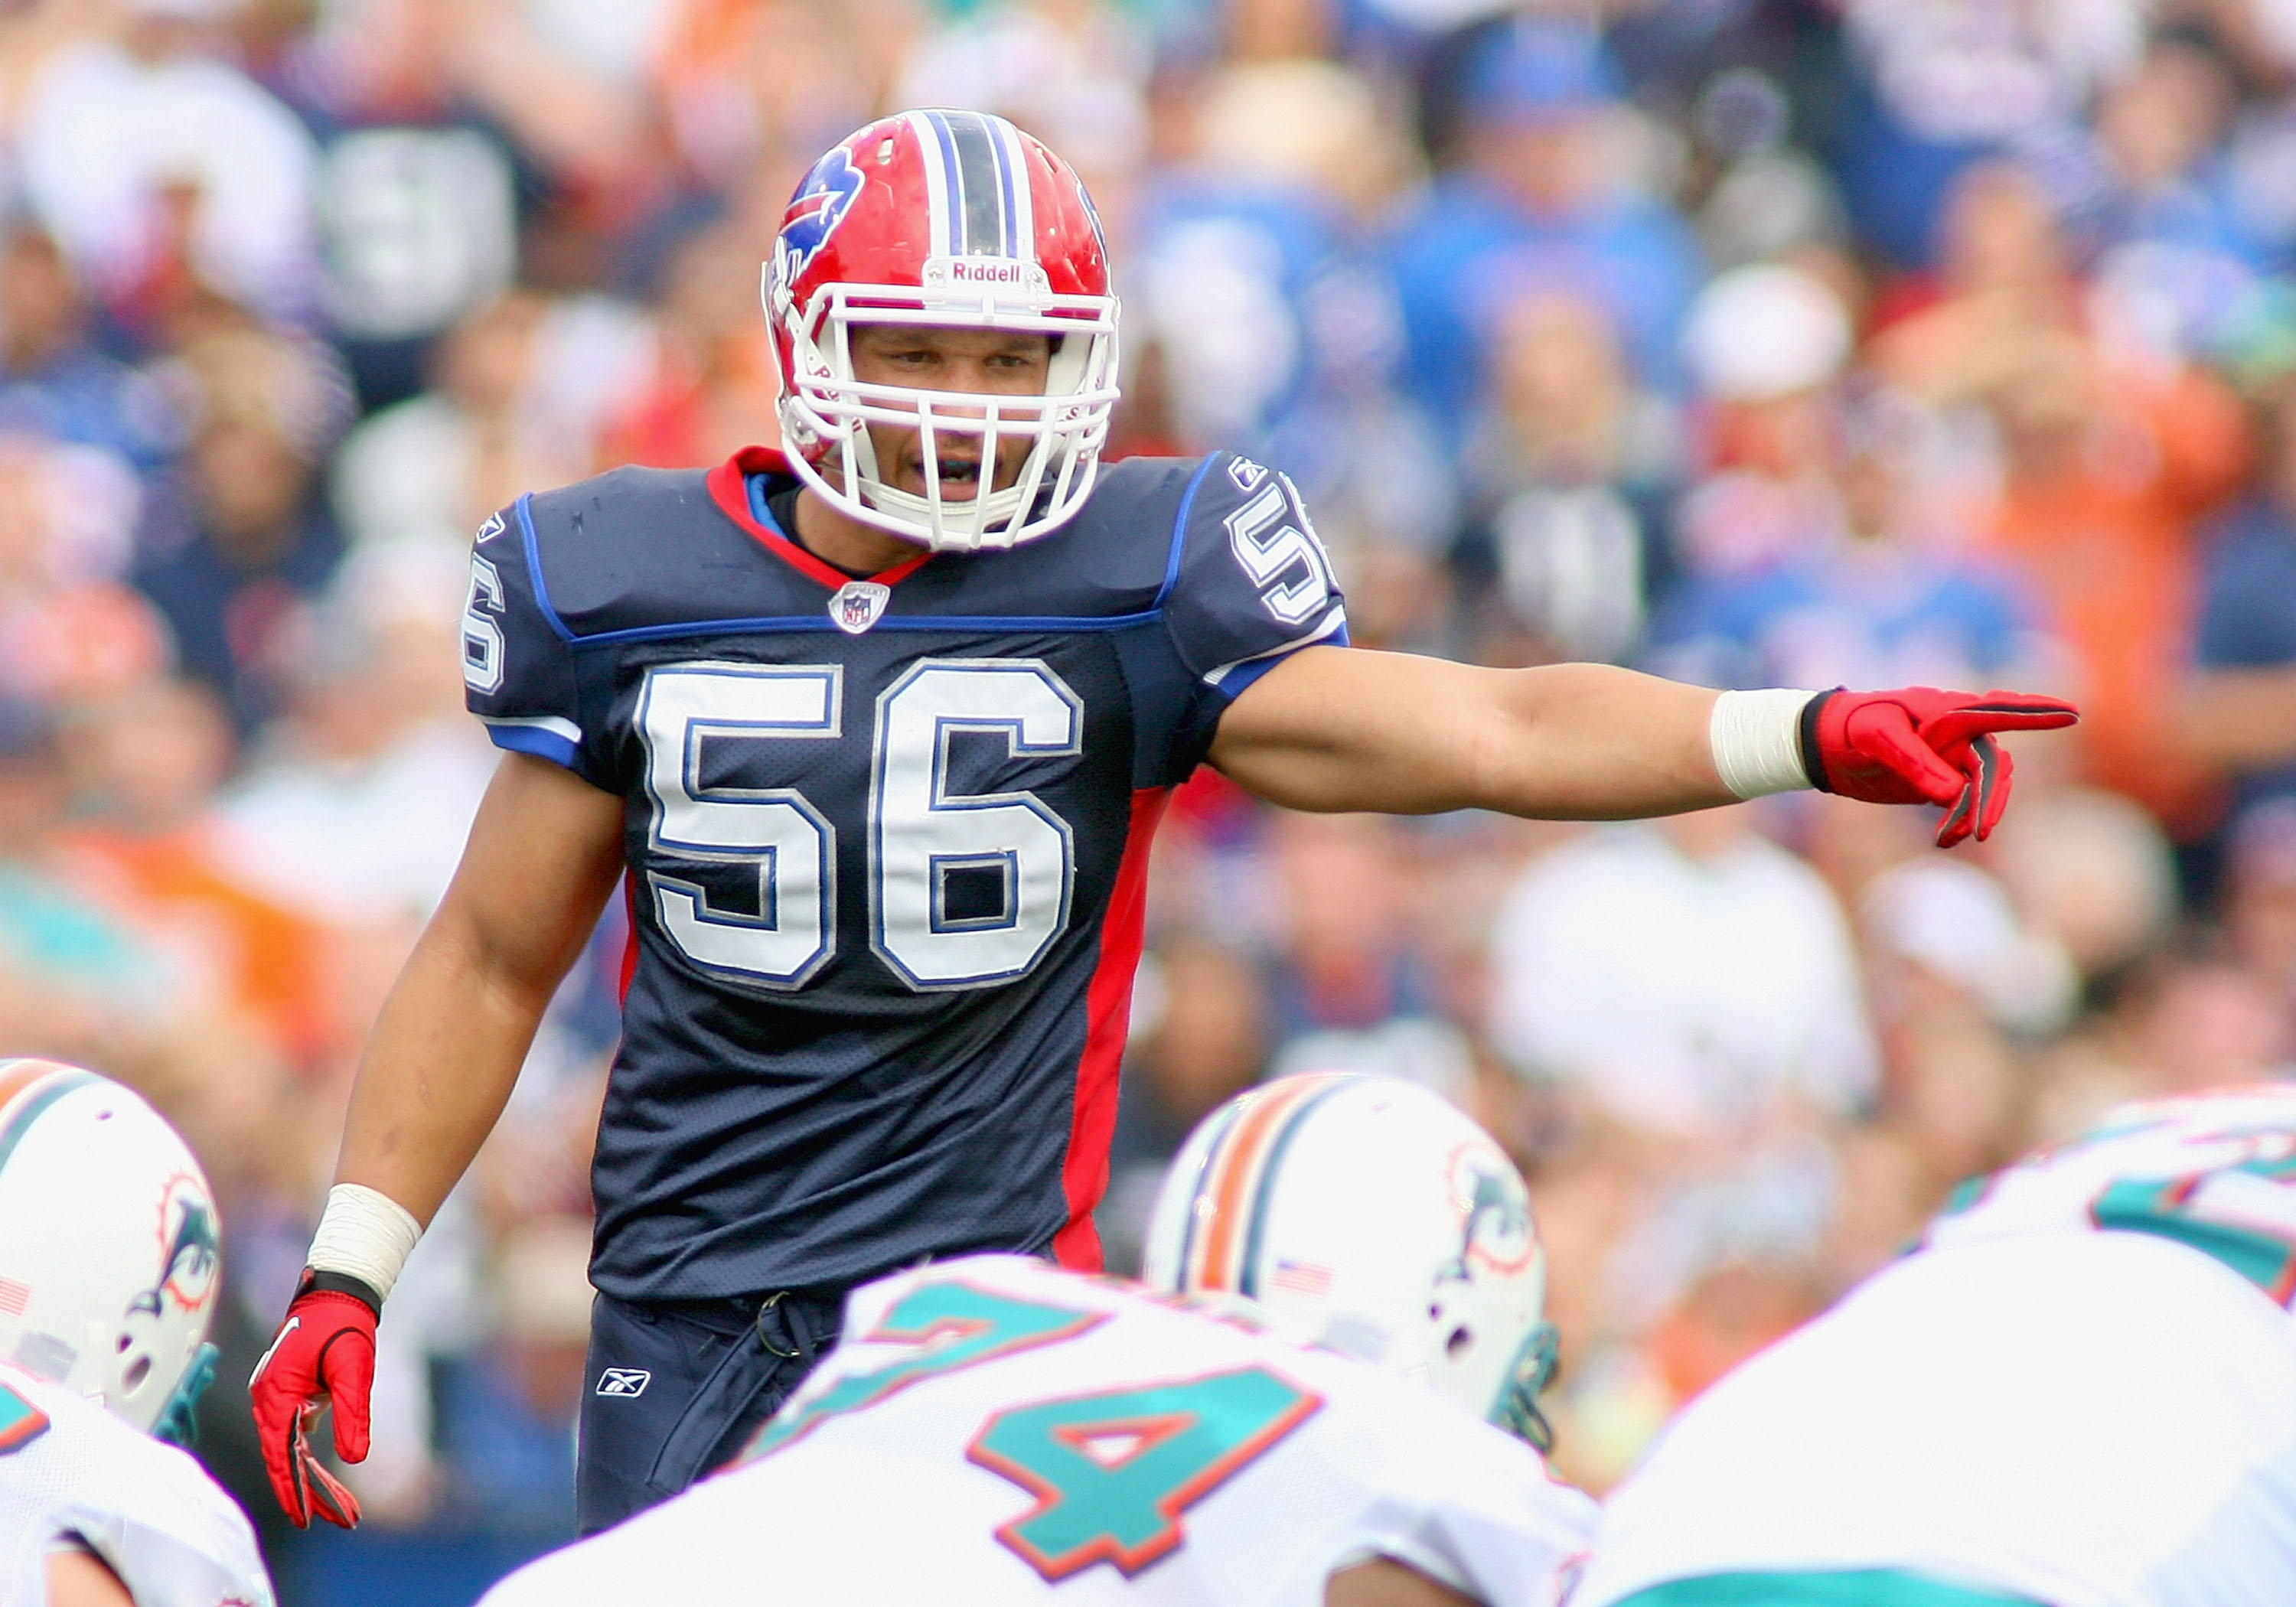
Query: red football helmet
point(952, 219)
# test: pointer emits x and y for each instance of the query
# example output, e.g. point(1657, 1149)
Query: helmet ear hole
point(137, 1372)
point(1457, 1345)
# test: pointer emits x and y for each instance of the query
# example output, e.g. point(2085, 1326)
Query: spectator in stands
point(1567, 479)
point(145, 767)
point(1882, 589)
point(233, 548)
point(2240, 711)
point(2108, 471)
point(1538, 201)
point(1940, 84)
point(1689, 978)
point(54, 379)
point(522, 391)
point(2260, 900)
point(1766, 346)
point(164, 172)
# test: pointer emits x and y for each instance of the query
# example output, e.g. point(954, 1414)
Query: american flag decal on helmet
point(977, 184)
point(1301, 1277)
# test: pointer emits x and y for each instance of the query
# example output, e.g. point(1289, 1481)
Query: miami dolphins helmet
point(109, 1259)
point(1366, 1215)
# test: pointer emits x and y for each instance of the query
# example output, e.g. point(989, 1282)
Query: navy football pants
point(672, 1390)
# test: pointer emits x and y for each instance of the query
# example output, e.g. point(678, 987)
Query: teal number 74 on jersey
point(2263, 1254)
point(953, 1326)
point(1114, 1472)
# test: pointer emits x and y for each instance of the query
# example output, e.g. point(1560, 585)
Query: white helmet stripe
point(940, 165)
point(1020, 204)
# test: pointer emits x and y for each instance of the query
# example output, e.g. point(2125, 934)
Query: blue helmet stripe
point(1014, 246)
point(983, 203)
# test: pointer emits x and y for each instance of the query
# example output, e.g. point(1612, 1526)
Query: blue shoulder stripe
point(1180, 534)
point(525, 505)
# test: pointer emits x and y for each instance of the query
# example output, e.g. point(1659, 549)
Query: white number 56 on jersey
point(920, 830)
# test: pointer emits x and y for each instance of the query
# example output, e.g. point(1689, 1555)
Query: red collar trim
point(729, 489)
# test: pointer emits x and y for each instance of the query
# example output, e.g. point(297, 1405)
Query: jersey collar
point(729, 489)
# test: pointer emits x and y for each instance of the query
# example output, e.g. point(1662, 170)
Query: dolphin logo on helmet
point(189, 1250)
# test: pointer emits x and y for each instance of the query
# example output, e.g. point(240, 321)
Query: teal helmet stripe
point(1256, 1228)
point(34, 1102)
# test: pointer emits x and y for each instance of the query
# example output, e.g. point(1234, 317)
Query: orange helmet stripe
point(1229, 1180)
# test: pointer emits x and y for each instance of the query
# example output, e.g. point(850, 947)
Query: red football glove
point(1919, 745)
point(324, 1352)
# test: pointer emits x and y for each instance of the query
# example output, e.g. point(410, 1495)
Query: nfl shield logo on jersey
point(859, 604)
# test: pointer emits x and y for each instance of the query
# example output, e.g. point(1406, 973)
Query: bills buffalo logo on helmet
point(819, 206)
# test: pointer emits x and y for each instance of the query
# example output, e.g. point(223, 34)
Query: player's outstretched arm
point(1338, 728)
point(543, 855)
point(1334, 728)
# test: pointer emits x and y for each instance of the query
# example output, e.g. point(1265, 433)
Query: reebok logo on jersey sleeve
point(624, 1381)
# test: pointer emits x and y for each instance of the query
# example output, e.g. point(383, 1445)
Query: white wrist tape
point(1756, 737)
point(364, 1233)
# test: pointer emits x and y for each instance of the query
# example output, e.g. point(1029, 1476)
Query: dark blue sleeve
point(1247, 585)
point(517, 669)
point(1253, 583)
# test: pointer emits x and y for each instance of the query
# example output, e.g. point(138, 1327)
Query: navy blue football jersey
point(886, 841)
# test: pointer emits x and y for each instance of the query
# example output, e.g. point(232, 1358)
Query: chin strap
point(1517, 1411)
point(178, 1423)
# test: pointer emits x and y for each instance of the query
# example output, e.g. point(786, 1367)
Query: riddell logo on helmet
point(1003, 278)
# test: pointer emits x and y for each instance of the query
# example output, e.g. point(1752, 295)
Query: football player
point(107, 1278)
point(1039, 1436)
point(2079, 1390)
point(878, 724)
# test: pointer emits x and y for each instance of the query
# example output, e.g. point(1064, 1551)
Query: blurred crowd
point(1755, 342)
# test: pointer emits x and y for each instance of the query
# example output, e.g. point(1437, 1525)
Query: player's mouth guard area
point(1065, 427)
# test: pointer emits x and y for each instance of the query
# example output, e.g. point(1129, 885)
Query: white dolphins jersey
point(72, 1476)
point(2079, 1391)
point(992, 1430)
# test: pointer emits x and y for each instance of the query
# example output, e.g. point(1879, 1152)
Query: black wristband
point(1812, 765)
point(315, 1281)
